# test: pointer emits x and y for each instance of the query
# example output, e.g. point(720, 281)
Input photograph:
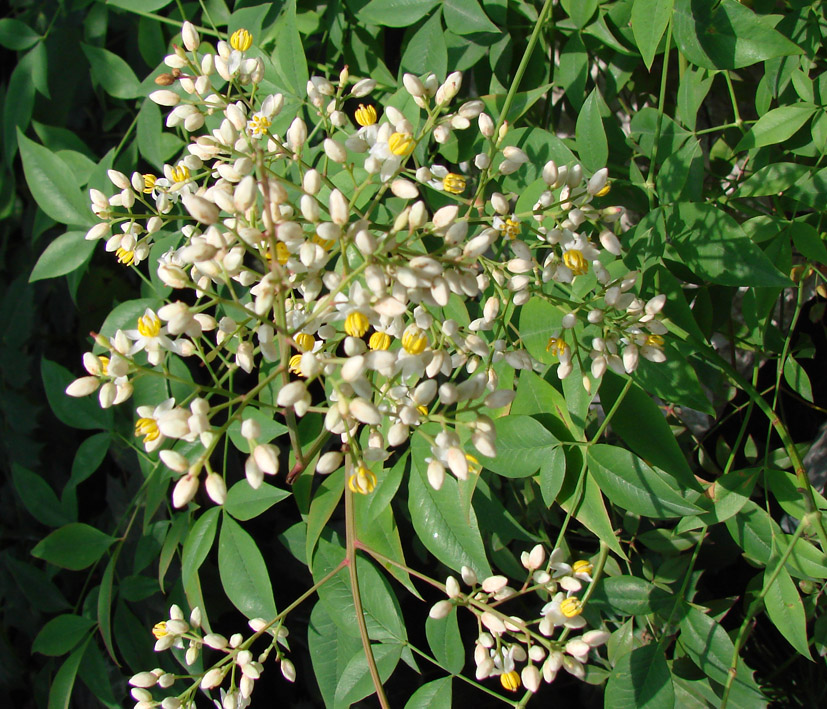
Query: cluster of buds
point(505, 642)
point(343, 254)
point(238, 662)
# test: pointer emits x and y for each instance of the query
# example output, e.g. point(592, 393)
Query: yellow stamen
point(149, 325)
point(295, 365)
point(159, 630)
point(582, 566)
point(326, 244)
point(259, 125)
point(181, 173)
point(304, 341)
point(148, 428)
point(365, 115)
point(241, 40)
point(422, 409)
point(510, 228)
point(127, 258)
point(571, 607)
point(576, 262)
point(401, 144)
point(453, 183)
point(379, 341)
point(356, 324)
point(363, 481)
point(604, 191)
point(654, 340)
point(474, 466)
point(104, 364)
point(556, 346)
point(414, 340)
point(282, 254)
point(149, 183)
point(510, 681)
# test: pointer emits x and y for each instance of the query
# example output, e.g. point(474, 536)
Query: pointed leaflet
point(592, 146)
point(289, 57)
point(649, 20)
point(52, 187)
point(65, 254)
point(74, 546)
point(786, 611)
point(641, 679)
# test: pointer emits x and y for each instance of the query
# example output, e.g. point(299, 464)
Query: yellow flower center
point(127, 258)
point(379, 341)
point(571, 607)
point(148, 428)
point(363, 481)
point(576, 262)
point(414, 340)
point(582, 567)
point(149, 325)
point(104, 364)
point(304, 342)
point(181, 173)
point(604, 191)
point(401, 144)
point(510, 228)
point(365, 115)
point(241, 40)
point(510, 681)
point(159, 630)
point(422, 409)
point(453, 183)
point(474, 466)
point(259, 125)
point(356, 324)
point(654, 340)
point(326, 244)
point(149, 183)
point(295, 365)
point(556, 346)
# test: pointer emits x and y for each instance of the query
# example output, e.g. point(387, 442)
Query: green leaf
point(62, 634)
point(74, 546)
point(395, 13)
point(434, 695)
point(60, 691)
point(38, 497)
point(772, 179)
point(649, 21)
point(356, 683)
point(289, 53)
point(78, 413)
point(331, 649)
point(325, 500)
point(641, 680)
point(89, 456)
point(776, 126)
point(427, 50)
point(149, 130)
point(65, 254)
point(523, 445)
point(580, 11)
point(381, 534)
point(726, 35)
point(35, 583)
point(592, 146)
point(573, 70)
point(141, 5)
point(105, 606)
point(243, 572)
point(808, 242)
point(631, 484)
point(590, 510)
point(467, 17)
point(270, 428)
point(538, 320)
point(445, 642)
point(797, 379)
point(552, 475)
point(710, 648)
point(198, 543)
point(643, 427)
point(630, 595)
point(125, 316)
point(18, 113)
point(438, 519)
point(714, 246)
point(52, 187)
point(243, 502)
point(16, 35)
point(786, 611)
point(111, 72)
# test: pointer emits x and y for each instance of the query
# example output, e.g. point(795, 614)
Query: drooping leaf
point(592, 146)
point(74, 546)
point(65, 254)
point(395, 13)
point(436, 694)
point(786, 611)
point(445, 642)
point(641, 679)
point(62, 634)
point(243, 502)
point(523, 445)
point(776, 126)
point(649, 21)
point(113, 73)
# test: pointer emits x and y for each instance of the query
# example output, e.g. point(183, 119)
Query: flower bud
point(441, 609)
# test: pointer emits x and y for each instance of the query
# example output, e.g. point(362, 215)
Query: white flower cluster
point(504, 641)
point(315, 257)
point(238, 662)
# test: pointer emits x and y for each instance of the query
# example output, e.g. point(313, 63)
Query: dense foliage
point(439, 351)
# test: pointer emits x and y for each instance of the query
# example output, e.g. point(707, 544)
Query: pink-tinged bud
point(83, 386)
point(494, 583)
point(201, 209)
point(449, 89)
point(266, 458)
point(445, 215)
point(165, 97)
point(329, 462)
point(296, 134)
point(436, 474)
point(492, 622)
point(440, 610)
point(405, 189)
point(531, 678)
point(212, 679)
point(216, 488)
point(190, 37)
point(469, 576)
point(452, 587)
point(365, 412)
point(184, 490)
point(339, 209)
point(245, 194)
point(144, 680)
point(288, 670)
point(291, 393)
point(335, 150)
